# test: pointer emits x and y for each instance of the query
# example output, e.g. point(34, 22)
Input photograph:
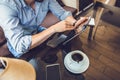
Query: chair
point(98, 11)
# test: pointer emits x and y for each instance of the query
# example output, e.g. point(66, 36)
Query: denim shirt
point(19, 21)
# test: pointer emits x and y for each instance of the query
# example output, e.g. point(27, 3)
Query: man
point(21, 22)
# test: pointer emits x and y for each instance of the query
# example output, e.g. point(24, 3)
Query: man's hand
point(63, 26)
point(80, 23)
point(66, 25)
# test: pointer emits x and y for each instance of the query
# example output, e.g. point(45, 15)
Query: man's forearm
point(61, 26)
point(39, 38)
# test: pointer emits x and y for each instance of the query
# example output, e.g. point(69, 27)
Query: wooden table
point(40, 65)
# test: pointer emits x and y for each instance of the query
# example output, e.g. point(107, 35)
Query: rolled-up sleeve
point(58, 10)
point(13, 30)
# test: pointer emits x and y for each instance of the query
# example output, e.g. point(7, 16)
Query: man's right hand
point(63, 26)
